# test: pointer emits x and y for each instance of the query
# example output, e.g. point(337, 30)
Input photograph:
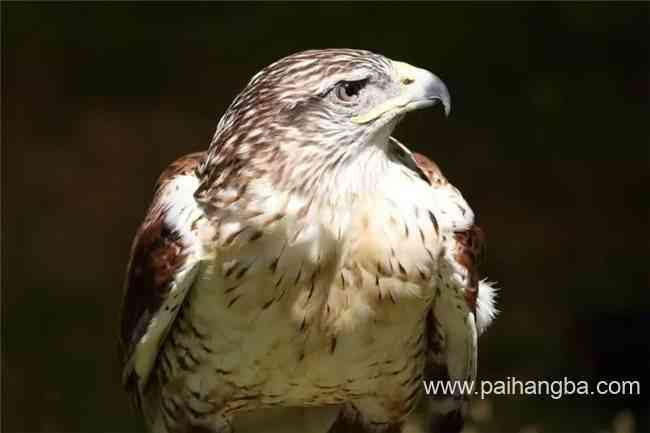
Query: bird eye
point(348, 91)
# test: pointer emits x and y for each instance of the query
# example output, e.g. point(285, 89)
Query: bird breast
point(296, 290)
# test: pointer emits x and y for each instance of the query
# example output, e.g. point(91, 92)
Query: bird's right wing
point(165, 260)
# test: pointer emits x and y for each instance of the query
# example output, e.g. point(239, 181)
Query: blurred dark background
point(548, 140)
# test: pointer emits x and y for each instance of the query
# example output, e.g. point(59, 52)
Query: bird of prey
point(307, 272)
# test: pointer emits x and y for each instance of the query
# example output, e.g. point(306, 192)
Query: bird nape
point(307, 272)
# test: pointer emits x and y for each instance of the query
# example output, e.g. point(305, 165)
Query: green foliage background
point(548, 140)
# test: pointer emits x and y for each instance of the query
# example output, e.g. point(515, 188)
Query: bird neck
point(338, 179)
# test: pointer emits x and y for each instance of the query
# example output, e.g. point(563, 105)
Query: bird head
point(322, 106)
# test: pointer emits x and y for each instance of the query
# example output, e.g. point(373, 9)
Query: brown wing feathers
point(156, 256)
point(468, 252)
point(469, 242)
point(469, 249)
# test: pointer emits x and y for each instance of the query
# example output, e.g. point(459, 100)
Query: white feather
point(486, 309)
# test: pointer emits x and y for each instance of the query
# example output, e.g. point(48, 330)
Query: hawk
point(307, 272)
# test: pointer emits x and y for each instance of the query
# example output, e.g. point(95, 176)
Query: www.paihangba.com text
point(511, 386)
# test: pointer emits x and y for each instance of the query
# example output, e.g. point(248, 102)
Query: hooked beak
point(422, 88)
point(419, 89)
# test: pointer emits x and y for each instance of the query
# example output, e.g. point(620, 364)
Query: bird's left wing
point(464, 306)
point(165, 260)
point(468, 253)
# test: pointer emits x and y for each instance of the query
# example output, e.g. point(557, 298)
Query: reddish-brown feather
point(469, 242)
point(156, 255)
point(430, 169)
point(468, 254)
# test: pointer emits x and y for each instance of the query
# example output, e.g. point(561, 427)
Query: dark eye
point(349, 90)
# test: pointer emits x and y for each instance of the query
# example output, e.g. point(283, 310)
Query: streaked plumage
point(307, 264)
